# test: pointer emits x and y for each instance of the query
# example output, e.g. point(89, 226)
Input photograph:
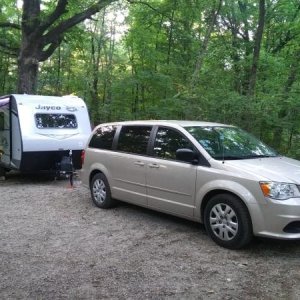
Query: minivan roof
point(167, 122)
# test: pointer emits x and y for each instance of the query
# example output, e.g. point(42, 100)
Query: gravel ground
point(55, 244)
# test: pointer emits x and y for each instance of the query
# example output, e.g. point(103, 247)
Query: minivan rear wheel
point(227, 221)
point(100, 191)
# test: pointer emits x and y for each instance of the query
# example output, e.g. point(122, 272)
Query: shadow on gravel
point(13, 177)
point(161, 217)
point(258, 247)
point(276, 247)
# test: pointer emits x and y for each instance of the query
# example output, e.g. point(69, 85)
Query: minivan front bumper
point(279, 219)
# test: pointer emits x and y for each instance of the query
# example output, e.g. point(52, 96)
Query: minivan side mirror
point(187, 155)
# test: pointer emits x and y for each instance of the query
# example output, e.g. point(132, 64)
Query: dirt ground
point(55, 244)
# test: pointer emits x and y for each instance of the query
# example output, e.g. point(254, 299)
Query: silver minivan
point(211, 173)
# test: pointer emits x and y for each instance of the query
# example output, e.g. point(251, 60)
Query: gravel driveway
point(55, 244)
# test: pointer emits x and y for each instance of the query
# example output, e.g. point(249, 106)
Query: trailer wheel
point(100, 191)
point(2, 173)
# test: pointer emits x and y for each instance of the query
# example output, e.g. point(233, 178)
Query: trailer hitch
point(65, 167)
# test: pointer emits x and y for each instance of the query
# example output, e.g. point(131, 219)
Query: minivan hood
point(280, 168)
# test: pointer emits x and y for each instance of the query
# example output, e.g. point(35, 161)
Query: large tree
point(42, 31)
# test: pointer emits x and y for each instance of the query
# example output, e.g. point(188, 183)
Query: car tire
point(227, 221)
point(100, 191)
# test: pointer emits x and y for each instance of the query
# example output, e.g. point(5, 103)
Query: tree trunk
point(237, 21)
point(42, 34)
point(95, 54)
point(203, 48)
point(243, 6)
point(58, 74)
point(283, 113)
point(170, 35)
point(5, 62)
point(96, 48)
point(257, 46)
point(28, 74)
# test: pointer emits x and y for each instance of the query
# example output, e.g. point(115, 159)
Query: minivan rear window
point(134, 139)
point(103, 138)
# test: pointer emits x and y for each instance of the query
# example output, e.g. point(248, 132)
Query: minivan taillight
point(82, 156)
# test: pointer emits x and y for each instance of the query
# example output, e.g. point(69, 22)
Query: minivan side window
point(167, 141)
point(103, 138)
point(134, 139)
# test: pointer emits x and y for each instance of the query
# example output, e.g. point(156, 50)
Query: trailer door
point(5, 140)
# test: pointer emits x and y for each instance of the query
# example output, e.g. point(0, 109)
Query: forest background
point(235, 62)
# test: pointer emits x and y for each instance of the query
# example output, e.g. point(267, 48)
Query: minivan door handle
point(139, 163)
point(156, 166)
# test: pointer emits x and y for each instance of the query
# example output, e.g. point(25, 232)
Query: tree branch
point(10, 25)
point(288, 36)
point(159, 12)
point(13, 51)
point(53, 35)
point(59, 10)
point(144, 3)
point(49, 51)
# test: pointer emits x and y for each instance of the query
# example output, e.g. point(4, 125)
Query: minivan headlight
point(279, 190)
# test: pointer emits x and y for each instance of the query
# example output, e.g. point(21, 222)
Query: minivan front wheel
point(227, 221)
point(100, 191)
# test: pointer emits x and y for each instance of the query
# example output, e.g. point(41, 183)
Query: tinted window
point(134, 139)
point(167, 141)
point(55, 121)
point(1, 120)
point(4, 114)
point(229, 143)
point(103, 137)
point(4, 121)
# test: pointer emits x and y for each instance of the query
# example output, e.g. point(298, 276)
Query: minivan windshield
point(228, 143)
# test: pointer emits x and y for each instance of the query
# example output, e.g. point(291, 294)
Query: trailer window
point(1, 120)
point(44, 121)
point(4, 114)
point(4, 121)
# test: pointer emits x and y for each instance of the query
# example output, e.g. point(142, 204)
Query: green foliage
point(147, 73)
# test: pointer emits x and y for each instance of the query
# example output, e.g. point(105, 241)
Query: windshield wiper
point(229, 157)
point(259, 156)
point(235, 157)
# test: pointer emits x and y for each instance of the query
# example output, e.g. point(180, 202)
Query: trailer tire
point(2, 173)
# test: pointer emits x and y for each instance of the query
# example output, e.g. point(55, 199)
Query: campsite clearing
point(56, 244)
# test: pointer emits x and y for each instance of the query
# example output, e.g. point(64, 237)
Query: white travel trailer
point(37, 132)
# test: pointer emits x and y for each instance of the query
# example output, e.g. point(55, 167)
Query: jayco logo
point(48, 107)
